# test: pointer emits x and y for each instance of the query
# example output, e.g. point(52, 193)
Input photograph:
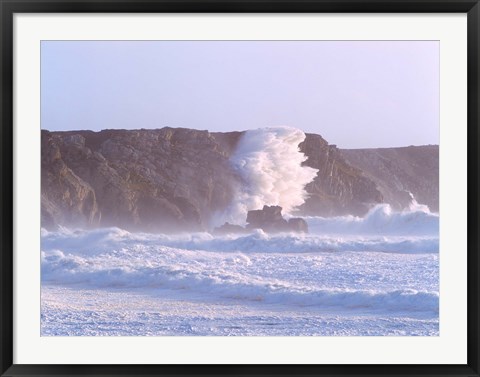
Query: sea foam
point(372, 263)
point(380, 220)
point(327, 280)
point(380, 230)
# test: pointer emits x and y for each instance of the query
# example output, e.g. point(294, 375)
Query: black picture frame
point(8, 8)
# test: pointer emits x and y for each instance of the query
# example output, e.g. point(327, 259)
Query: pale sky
point(356, 94)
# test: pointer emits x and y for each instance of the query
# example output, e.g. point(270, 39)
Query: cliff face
point(339, 188)
point(150, 180)
point(398, 171)
point(176, 179)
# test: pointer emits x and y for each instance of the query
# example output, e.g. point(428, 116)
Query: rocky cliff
point(400, 171)
point(174, 179)
point(150, 180)
point(339, 188)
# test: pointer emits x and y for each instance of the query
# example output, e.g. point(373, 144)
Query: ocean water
point(350, 276)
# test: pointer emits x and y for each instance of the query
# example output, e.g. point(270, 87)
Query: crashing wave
point(270, 164)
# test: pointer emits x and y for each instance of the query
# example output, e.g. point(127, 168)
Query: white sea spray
point(270, 164)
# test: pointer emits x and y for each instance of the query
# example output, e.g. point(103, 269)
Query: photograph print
point(239, 188)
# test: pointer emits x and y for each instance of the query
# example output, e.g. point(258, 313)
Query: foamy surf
point(356, 284)
point(380, 220)
point(381, 230)
point(68, 311)
point(233, 277)
point(314, 270)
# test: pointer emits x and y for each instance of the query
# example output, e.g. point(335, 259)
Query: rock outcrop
point(269, 219)
point(339, 188)
point(297, 224)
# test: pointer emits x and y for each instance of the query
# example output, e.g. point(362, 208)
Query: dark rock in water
point(298, 224)
point(228, 228)
point(270, 220)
